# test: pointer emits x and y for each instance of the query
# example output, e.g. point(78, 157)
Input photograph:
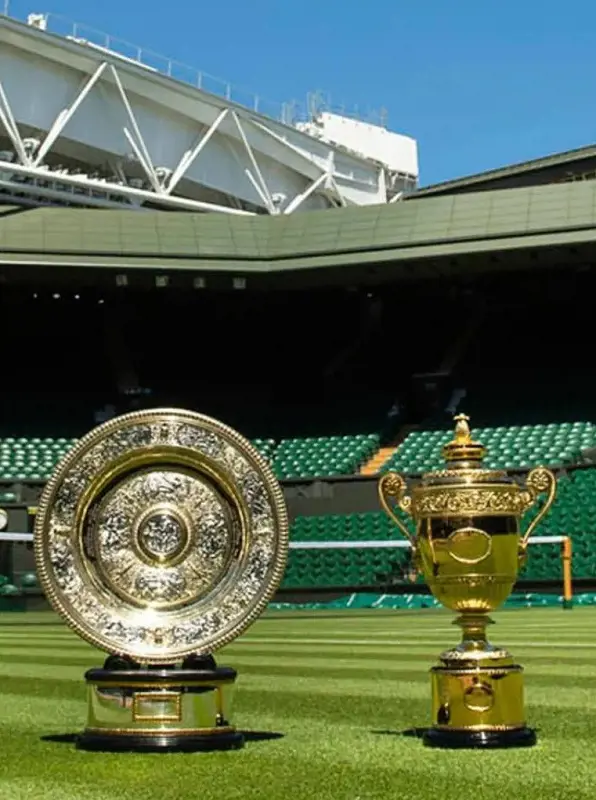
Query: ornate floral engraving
point(539, 480)
point(168, 566)
point(136, 532)
point(469, 502)
point(166, 486)
point(198, 439)
point(161, 535)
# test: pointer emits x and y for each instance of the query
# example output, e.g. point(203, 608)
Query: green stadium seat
point(516, 446)
point(338, 568)
point(513, 447)
point(573, 514)
point(323, 456)
point(29, 580)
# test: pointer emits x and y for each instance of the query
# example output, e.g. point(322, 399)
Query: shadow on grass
point(261, 736)
point(415, 733)
point(60, 738)
point(418, 733)
point(249, 737)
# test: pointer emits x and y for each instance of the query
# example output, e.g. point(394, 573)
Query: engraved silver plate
point(161, 534)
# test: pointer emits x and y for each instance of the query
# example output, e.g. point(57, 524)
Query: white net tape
point(401, 543)
point(351, 545)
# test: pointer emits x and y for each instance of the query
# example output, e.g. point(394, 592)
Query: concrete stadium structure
point(523, 229)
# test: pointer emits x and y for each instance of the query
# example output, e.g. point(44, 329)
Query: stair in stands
point(374, 464)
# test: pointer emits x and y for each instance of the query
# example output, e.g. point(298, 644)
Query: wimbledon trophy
point(161, 536)
point(469, 548)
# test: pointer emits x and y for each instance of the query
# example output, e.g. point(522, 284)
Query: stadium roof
point(557, 167)
point(426, 231)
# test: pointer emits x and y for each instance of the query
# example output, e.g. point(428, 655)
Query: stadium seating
point(573, 514)
point(266, 447)
point(30, 459)
point(523, 446)
point(344, 567)
point(323, 456)
point(35, 458)
point(516, 446)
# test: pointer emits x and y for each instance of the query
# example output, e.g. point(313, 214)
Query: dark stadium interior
point(317, 362)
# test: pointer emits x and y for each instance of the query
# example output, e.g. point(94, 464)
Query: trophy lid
point(462, 447)
point(463, 460)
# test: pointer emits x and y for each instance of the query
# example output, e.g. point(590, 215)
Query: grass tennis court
point(340, 688)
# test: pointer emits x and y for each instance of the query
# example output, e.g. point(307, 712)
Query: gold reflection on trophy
point(469, 548)
point(160, 538)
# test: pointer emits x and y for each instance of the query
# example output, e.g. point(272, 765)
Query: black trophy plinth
point(160, 708)
point(488, 740)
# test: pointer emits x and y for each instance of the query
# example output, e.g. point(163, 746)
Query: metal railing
point(290, 113)
point(165, 66)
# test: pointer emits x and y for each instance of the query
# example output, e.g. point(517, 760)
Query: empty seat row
point(323, 456)
point(573, 514)
point(515, 446)
point(35, 458)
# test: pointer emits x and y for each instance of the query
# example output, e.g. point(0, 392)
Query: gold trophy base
point(477, 696)
point(160, 709)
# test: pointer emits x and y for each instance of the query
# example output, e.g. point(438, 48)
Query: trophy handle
point(539, 481)
point(393, 485)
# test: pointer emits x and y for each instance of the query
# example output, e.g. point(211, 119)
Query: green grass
point(340, 688)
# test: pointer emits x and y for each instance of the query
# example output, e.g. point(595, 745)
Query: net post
point(566, 553)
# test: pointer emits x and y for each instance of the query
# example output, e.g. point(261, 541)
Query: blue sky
point(478, 84)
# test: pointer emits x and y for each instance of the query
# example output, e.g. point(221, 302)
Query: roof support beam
point(65, 115)
point(106, 187)
point(9, 122)
point(139, 147)
point(300, 198)
point(190, 156)
point(263, 190)
point(264, 129)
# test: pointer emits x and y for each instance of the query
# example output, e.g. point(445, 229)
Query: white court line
point(501, 625)
point(405, 642)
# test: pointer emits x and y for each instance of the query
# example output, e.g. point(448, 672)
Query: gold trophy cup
point(469, 548)
point(160, 538)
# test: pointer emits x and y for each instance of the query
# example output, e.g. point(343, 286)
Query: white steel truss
point(190, 156)
point(28, 177)
point(24, 175)
point(277, 168)
point(66, 115)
